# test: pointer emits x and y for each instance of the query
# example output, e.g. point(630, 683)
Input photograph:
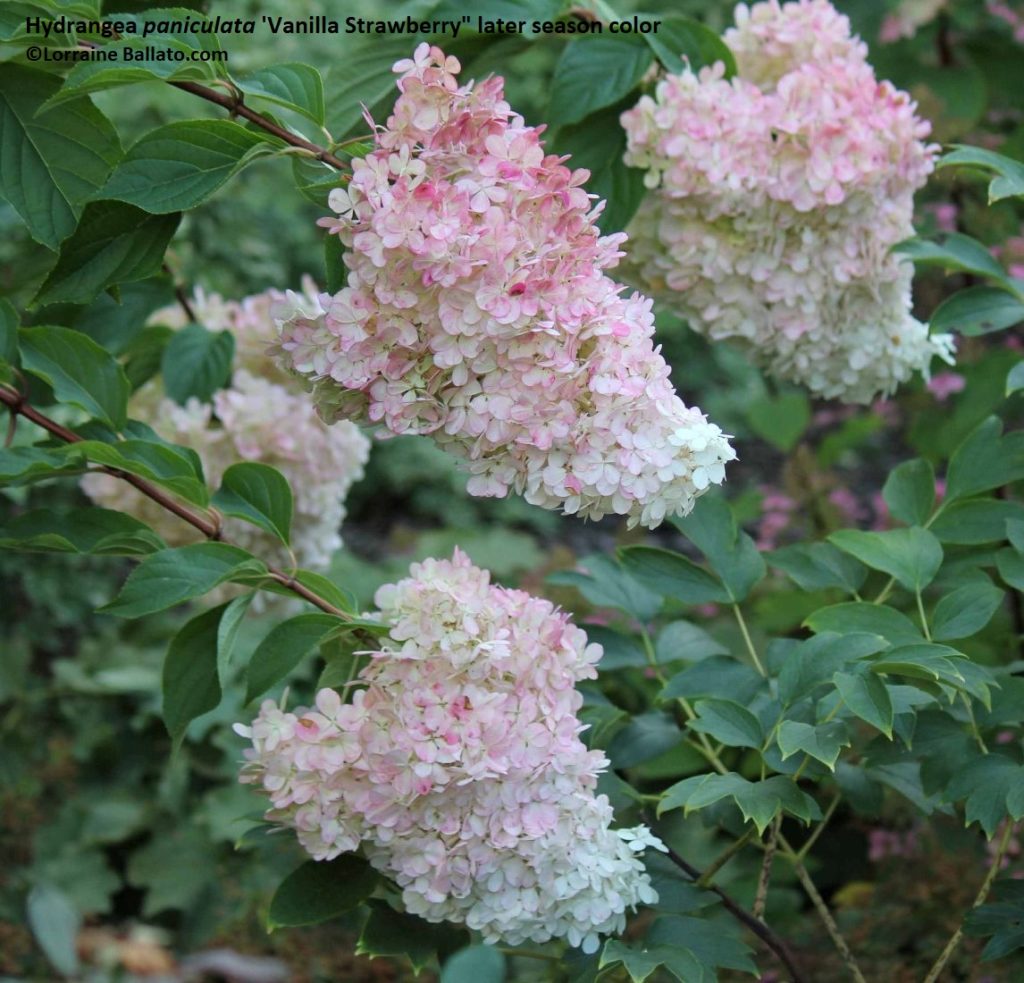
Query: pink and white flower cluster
point(477, 310)
point(262, 415)
point(458, 766)
point(778, 197)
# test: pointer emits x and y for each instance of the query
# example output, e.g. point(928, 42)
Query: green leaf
point(335, 274)
point(640, 963)
point(985, 460)
point(117, 324)
point(258, 494)
point(816, 660)
point(1015, 379)
point(859, 616)
point(607, 584)
point(179, 166)
point(714, 943)
point(717, 676)
point(646, 736)
point(476, 964)
point(292, 85)
point(19, 465)
point(681, 640)
point(320, 890)
point(781, 420)
point(114, 243)
point(285, 646)
point(909, 491)
point(227, 634)
point(55, 922)
point(728, 723)
point(191, 686)
point(50, 162)
point(85, 530)
point(868, 697)
point(172, 576)
point(362, 78)
point(8, 331)
point(176, 468)
point(991, 790)
point(594, 72)
point(197, 362)
point(822, 742)
point(683, 41)
point(817, 566)
point(672, 575)
point(954, 252)
point(933, 663)
point(1010, 564)
point(390, 933)
point(965, 611)
point(79, 371)
point(976, 311)
point(731, 553)
point(173, 59)
point(620, 651)
point(976, 521)
point(1009, 174)
point(759, 802)
point(1002, 919)
point(913, 556)
point(598, 144)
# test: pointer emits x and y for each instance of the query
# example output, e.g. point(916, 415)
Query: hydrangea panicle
point(779, 196)
point(262, 415)
point(458, 765)
point(477, 310)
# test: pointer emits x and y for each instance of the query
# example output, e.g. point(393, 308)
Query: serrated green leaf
point(594, 72)
point(909, 491)
point(114, 243)
point(913, 556)
point(79, 371)
point(816, 661)
point(728, 723)
point(50, 162)
point(293, 85)
point(607, 584)
point(191, 686)
point(285, 646)
point(859, 616)
point(985, 460)
point(822, 741)
point(258, 494)
point(867, 696)
point(179, 166)
point(987, 788)
point(172, 576)
point(116, 324)
point(196, 363)
point(965, 611)
point(715, 944)
point(391, 933)
point(759, 802)
point(84, 530)
point(640, 962)
point(320, 890)
point(816, 566)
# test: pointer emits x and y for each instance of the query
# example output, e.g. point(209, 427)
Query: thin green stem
point(723, 858)
point(924, 617)
point(819, 829)
point(974, 724)
point(748, 640)
point(979, 900)
point(823, 913)
point(652, 657)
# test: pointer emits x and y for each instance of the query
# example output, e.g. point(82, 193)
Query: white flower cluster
point(779, 195)
point(459, 768)
point(262, 415)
